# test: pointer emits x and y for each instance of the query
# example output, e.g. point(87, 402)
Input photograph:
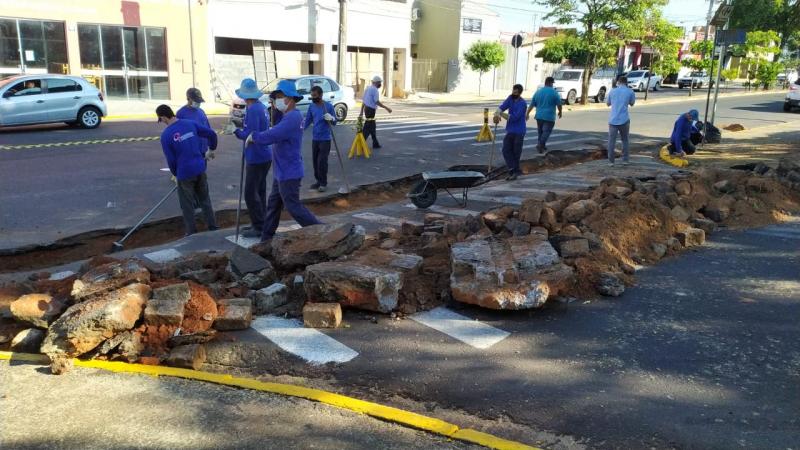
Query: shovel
point(117, 246)
point(346, 189)
point(491, 152)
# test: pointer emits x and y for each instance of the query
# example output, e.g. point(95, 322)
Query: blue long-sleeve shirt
point(196, 115)
point(315, 114)
point(286, 138)
point(255, 119)
point(516, 114)
point(681, 132)
point(183, 149)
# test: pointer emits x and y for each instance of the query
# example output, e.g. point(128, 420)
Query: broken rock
point(187, 356)
point(371, 281)
point(569, 246)
point(515, 273)
point(322, 315)
point(579, 210)
point(717, 213)
point(610, 285)
point(691, 237)
point(708, 226)
point(234, 314)
point(166, 306)
point(40, 310)
point(315, 244)
point(28, 341)
point(244, 261)
point(85, 325)
point(518, 227)
point(680, 214)
point(531, 211)
point(269, 298)
point(108, 277)
point(202, 276)
point(259, 280)
point(201, 337)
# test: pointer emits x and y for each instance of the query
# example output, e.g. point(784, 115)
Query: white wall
point(463, 79)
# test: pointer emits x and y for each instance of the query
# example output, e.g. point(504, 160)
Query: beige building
point(137, 50)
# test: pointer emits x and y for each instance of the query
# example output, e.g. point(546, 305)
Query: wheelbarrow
point(424, 193)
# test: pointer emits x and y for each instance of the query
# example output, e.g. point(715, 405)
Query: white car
point(696, 80)
point(787, 77)
point(569, 84)
point(638, 79)
point(48, 98)
point(793, 97)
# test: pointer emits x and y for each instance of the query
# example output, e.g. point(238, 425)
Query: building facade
point(134, 50)
point(266, 40)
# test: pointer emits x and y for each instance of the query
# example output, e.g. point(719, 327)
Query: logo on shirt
point(177, 137)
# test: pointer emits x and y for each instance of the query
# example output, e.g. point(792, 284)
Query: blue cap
point(695, 114)
point(288, 89)
point(249, 90)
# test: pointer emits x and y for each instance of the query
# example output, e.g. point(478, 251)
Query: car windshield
point(698, 74)
point(567, 75)
point(636, 74)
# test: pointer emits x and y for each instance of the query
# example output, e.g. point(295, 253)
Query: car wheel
point(341, 111)
point(680, 86)
point(787, 107)
point(601, 95)
point(571, 97)
point(657, 86)
point(89, 117)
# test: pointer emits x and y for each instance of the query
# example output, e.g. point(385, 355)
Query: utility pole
point(342, 48)
point(191, 42)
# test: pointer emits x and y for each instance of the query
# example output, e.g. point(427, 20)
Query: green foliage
point(483, 56)
point(667, 65)
point(767, 73)
point(763, 15)
point(730, 74)
point(702, 65)
point(564, 46)
point(662, 36)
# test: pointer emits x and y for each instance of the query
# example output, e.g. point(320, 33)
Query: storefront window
point(89, 38)
point(130, 62)
point(9, 43)
point(32, 44)
point(56, 46)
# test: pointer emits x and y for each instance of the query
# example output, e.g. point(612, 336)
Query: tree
point(483, 56)
point(564, 46)
point(605, 26)
point(760, 48)
point(662, 37)
point(782, 16)
point(700, 48)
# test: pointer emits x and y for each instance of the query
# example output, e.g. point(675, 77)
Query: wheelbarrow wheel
point(423, 195)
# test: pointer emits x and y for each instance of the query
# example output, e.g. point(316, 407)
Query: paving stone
point(569, 246)
point(691, 237)
point(316, 243)
point(708, 226)
point(244, 261)
point(167, 304)
point(108, 277)
point(202, 276)
point(579, 210)
point(28, 341)
point(187, 356)
point(322, 315)
point(610, 285)
point(267, 299)
point(234, 314)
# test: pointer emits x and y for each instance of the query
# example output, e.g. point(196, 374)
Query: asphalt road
point(57, 191)
point(93, 409)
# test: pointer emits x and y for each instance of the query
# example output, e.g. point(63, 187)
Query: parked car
point(792, 97)
point(569, 84)
point(787, 77)
point(341, 97)
point(696, 80)
point(638, 79)
point(35, 99)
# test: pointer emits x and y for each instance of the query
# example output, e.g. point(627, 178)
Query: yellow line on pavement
point(388, 413)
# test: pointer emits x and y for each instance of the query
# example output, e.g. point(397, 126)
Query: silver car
point(35, 99)
point(341, 97)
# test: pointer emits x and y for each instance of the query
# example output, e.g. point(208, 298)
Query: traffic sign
point(516, 41)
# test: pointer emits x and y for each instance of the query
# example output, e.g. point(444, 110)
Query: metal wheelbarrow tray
point(424, 193)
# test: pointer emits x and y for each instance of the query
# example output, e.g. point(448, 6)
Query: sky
point(519, 15)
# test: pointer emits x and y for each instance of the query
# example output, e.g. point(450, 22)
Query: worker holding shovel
point(287, 140)
point(258, 157)
point(322, 116)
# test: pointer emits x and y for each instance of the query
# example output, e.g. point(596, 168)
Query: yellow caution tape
point(670, 159)
point(376, 410)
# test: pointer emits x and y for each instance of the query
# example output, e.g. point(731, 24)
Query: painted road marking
point(386, 220)
point(470, 129)
point(471, 332)
point(405, 111)
point(61, 275)
point(438, 127)
point(307, 343)
point(465, 138)
point(499, 135)
point(162, 256)
point(245, 242)
point(448, 210)
point(415, 123)
point(510, 200)
point(421, 124)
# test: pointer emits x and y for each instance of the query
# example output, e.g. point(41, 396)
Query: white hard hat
point(377, 79)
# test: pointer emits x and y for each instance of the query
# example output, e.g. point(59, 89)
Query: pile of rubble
point(581, 244)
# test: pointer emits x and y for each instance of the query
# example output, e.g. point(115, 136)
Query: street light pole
point(191, 42)
point(342, 48)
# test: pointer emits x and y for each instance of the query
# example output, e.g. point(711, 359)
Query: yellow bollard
point(359, 146)
point(485, 134)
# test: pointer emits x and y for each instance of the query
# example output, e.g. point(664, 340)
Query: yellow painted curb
point(388, 413)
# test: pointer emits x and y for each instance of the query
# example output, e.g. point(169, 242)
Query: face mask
point(316, 99)
point(195, 105)
point(515, 96)
point(280, 103)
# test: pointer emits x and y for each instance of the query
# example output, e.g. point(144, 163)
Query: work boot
point(540, 148)
point(314, 186)
point(376, 145)
point(322, 188)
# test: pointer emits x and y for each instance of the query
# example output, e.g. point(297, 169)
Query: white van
point(569, 83)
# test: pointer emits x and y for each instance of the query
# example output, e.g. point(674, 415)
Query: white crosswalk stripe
point(471, 332)
point(414, 124)
point(469, 129)
point(468, 138)
point(437, 128)
point(307, 343)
